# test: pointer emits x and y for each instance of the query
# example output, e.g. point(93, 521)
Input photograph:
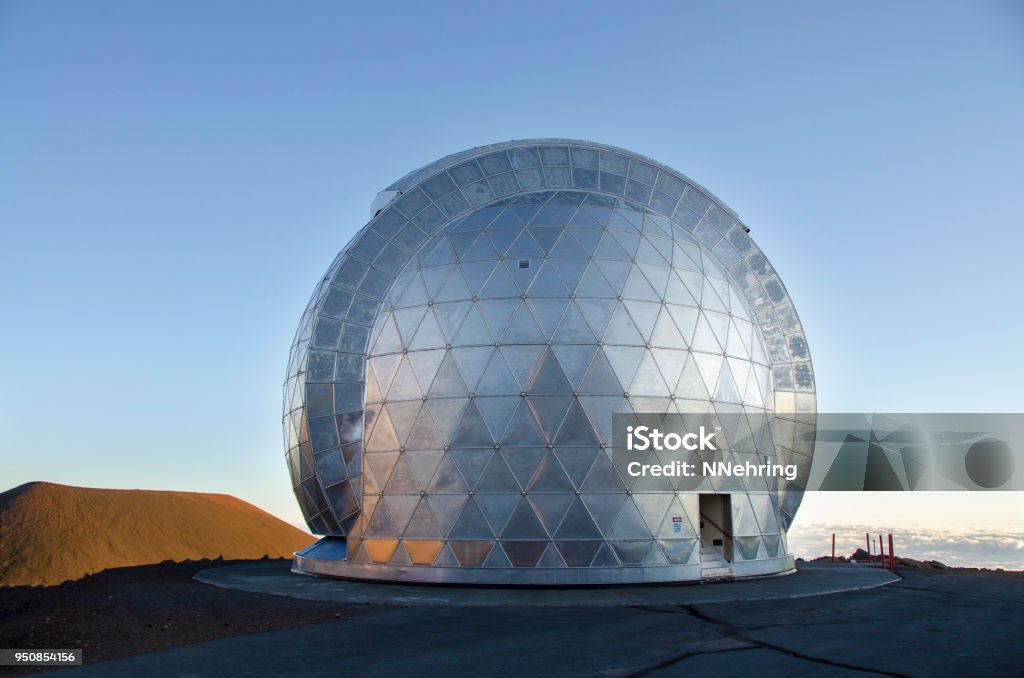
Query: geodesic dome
point(450, 391)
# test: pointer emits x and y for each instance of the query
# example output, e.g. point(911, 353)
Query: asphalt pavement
point(921, 624)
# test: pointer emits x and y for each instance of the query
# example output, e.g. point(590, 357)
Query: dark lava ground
point(127, 611)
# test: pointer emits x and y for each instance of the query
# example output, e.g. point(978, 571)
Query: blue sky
point(174, 177)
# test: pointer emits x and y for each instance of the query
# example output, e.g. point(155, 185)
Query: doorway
point(716, 523)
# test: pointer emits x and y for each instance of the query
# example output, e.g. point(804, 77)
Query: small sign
point(677, 524)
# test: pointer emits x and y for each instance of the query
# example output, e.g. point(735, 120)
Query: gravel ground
point(131, 610)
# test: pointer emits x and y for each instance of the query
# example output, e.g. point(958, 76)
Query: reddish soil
point(55, 533)
point(128, 611)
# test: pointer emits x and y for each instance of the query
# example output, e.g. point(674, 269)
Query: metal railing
point(704, 516)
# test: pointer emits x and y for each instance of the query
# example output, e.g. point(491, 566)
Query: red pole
point(881, 552)
point(867, 540)
point(833, 547)
point(892, 558)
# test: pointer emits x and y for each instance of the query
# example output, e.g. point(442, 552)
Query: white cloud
point(975, 547)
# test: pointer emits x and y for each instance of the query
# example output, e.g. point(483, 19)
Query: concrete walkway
point(924, 624)
point(809, 580)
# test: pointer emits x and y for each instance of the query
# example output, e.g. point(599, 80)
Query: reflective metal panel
point(451, 386)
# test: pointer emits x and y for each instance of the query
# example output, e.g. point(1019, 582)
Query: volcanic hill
point(53, 533)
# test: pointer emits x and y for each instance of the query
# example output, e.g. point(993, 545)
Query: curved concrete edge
point(568, 576)
point(806, 581)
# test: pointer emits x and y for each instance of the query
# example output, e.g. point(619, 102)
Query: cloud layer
point(962, 548)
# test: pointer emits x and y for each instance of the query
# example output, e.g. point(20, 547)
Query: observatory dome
point(451, 388)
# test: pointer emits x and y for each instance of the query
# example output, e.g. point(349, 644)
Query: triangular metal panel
point(522, 429)
point(447, 479)
point(653, 507)
point(497, 508)
point(445, 558)
point(423, 464)
point(446, 413)
point(448, 382)
point(500, 285)
point(573, 328)
point(621, 329)
point(637, 287)
point(594, 284)
point(497, 557)
point(570, 271)
point(578, 553)
point(604, 507)
point(631, 552)
point(454, 288)
point(624, 361)
point(471, 553)
point(408, 320)
point(615, 272)
point(547, 312)
point(403, 416)
point(523, 462)
point(446, 509)
point(405, 386)
point(743, 520)
point(472, 361)
point(523, 328)
point(470, 463)
point(680, 551)
point(497, 379)
point(497, 411)
point(605, 557)
point(401, 508)
point(381, 524)
point(524, 524)
point(677, 293)
point(576, 429)
point(550, 508)
point(550, 477)
point(549, 410)
point(577, 523)
point(523, 361)
point(599, 410)
point(402, 479)
point(497, 478)
point(550, 379)
point(648, 380)
point(422, 524)
point(471, 524)
point(428, 335)
point(654, 557)
point(472, 431)
point(450, 315)
point(630, 523)
point(383, 436)
point(524, 553)
point(550, 558)
point(577, 462)
point(547, 283)
point(474, 331)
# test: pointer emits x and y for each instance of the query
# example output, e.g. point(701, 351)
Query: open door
point(716, 523)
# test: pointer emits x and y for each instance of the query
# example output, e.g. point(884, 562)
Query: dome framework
point(451, 386)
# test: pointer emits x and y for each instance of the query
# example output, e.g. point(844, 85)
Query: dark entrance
point(716, 523)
